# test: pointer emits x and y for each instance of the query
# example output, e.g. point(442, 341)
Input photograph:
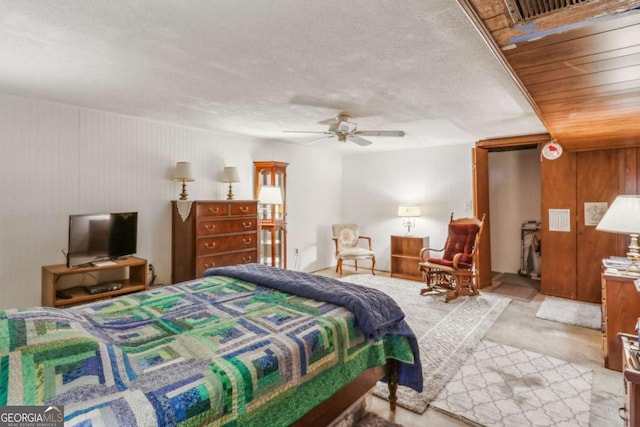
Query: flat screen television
point(97, 237)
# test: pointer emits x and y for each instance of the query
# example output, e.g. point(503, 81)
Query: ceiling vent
point(523, 10)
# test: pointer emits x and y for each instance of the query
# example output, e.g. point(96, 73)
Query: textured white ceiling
point(258, 67)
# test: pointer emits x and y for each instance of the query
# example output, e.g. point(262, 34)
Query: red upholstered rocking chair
point(455, 273)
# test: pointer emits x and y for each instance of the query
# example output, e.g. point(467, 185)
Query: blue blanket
point(376, 313)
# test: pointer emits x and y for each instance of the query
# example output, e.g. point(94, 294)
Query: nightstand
point(405, 256)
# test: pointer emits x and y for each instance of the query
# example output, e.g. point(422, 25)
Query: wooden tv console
point(132, 274)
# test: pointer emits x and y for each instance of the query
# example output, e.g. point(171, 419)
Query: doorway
point(505, 213)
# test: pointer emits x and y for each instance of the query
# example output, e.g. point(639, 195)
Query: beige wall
point(438, 179)
point(59, 160)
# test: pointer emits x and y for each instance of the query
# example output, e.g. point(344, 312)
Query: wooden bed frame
point(329, 410)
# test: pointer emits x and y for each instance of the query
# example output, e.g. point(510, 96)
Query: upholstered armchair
point(348, 242)
point(455, 273)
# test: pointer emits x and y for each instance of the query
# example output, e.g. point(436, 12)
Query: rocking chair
point(455, 273)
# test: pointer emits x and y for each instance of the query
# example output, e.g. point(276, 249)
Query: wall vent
point(523, 10)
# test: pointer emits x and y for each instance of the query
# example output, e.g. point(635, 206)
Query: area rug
point(501, 385)
point(447, 332)
point(514, 291)
point(578, 313)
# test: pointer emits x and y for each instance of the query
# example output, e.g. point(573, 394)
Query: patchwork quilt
point(216, 351)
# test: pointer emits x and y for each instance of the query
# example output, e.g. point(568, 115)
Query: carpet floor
point(447, 332)
point(506, 386)
point(570, 312)
point(373, 420)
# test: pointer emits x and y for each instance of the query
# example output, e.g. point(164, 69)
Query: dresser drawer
point(212, 209)
point(221, 226)
point(237, 209)
point(221, 244)
point(206, 263)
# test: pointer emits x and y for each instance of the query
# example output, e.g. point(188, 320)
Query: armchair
point(347, 242)
point(455, 273)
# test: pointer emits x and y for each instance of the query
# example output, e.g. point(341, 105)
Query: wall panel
point(60, 160)
point(438, 179)
point(558, 260)
point(597, 181)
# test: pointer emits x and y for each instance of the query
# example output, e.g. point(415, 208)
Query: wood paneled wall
point(571, 260)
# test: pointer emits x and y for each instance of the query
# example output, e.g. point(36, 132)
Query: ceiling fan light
point(343, 127)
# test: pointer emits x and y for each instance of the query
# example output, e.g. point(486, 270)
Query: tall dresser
point(212, 233)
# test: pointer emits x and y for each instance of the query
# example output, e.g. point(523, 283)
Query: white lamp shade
point(623, 216)
point(407, 210)
point(270, 195)
point(230, 174)
point(183, 172)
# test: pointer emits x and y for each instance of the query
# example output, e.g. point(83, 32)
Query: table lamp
point(408, 213)
point(269, 195)
point(183, 173)
point(230, 174)
point(623, 217)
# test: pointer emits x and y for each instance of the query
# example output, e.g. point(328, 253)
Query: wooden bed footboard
point(326, 412)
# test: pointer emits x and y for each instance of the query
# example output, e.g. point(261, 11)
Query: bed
point(244, 345)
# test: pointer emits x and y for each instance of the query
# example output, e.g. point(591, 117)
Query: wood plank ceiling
point(579, 66)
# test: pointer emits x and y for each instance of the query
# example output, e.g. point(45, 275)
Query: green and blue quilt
point(216, 351)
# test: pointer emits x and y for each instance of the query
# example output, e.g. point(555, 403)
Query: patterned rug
point(501, 385)
point(571, 312)
point(447, 332)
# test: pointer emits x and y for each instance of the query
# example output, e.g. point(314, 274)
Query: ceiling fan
point(344, 130)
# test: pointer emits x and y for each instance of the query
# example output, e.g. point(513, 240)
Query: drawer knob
point(210, 245)
point(210, 227)
point(247, 224)
point(214, 210)
point(207, 265)
point(244, 208)
point(246, 259)
point(247, 240)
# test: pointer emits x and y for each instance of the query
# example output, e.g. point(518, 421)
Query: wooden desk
point(620, 312)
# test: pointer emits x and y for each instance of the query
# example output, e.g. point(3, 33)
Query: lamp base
point(230, 193)
point(634, 255)
point(183, 193)
point(409, 223)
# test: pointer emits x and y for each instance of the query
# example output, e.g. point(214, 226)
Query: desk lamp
point(623, 217)
point(408, 213)
point(183, 173)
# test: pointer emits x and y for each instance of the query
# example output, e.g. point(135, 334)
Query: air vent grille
point(523, 10)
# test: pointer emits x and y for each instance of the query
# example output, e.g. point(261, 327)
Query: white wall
point(438, 179)
point(59, 160)
point(514, 197)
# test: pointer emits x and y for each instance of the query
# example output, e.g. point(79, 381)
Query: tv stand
point(54, 297)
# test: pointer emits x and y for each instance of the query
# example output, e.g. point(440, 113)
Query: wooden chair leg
point(356, 262)
point(339, 267)
point(373, 264)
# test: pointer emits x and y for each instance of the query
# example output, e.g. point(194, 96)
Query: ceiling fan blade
point(360, 141)
point(307, 131)
point(380, 132)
